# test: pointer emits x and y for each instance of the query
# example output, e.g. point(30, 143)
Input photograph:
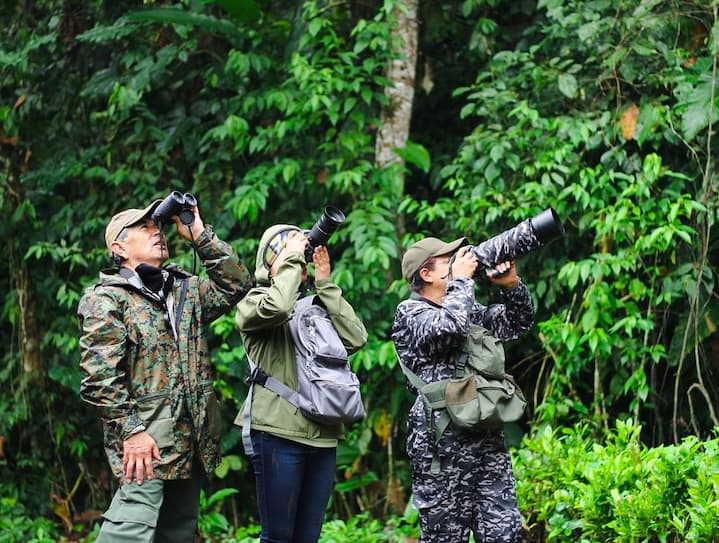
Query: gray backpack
point(328, 391)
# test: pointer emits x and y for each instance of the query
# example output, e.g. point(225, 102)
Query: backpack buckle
point(258, 376)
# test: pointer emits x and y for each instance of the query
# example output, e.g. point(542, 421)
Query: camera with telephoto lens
point(528, 235)
point(178, 204)
point(325, 226)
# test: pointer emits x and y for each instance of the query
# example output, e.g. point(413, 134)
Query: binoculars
point(178, 204)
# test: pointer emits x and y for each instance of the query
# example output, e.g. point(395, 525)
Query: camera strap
point(451, 263)
point(181, 302)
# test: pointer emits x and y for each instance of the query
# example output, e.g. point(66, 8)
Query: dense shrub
point(573, 488)
point(16, 525)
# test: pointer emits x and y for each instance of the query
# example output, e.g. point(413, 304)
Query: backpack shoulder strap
point(430, 405)
point(461, 362)
point(412, 377)
point(258, 376)
point(300, 305)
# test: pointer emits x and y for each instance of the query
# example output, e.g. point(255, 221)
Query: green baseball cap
point(124, 219)
point(420, 252)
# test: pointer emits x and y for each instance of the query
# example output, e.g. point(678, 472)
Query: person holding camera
point(145, 365)
point(294, 458)
point(471, 489)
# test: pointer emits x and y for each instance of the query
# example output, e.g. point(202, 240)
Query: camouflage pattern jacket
point(137, 373)
point(428, 337)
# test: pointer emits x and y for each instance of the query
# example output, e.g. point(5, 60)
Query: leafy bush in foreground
point(572, 488)
point(16, 526)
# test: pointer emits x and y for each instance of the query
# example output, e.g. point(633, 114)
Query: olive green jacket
point(262, 318)
point(137, 374)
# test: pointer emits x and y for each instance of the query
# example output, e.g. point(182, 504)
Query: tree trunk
point(28, 328)
point(396, 117)
point(394, 132)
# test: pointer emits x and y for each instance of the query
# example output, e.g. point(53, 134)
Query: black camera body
point(178, 204)
point(325, 226)
point(528, 235)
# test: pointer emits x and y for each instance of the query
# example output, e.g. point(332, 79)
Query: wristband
point(137, 430)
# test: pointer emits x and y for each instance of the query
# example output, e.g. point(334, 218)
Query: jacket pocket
point(212, 410)
point(156, 413)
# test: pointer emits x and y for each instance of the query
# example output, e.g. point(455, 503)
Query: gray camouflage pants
point(474, 490)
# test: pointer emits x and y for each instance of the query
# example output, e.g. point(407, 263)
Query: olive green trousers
point(154, 512)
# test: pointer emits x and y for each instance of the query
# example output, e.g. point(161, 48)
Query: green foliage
point(17, 525)
point(603, 110)
point(363, 529)
point(415, 154)
point(212, 523)
point(573, 488)
point(640, 222)
point(360, 528)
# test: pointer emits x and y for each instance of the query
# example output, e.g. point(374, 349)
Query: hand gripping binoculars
point(178, 204)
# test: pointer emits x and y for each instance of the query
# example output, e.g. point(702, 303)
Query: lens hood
point(547, 225)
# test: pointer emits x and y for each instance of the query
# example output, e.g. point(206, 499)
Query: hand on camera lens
point(321, 258)
point(296, 242)
point(504, 274)
point(464, 264)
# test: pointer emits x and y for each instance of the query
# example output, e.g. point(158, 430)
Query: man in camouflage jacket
point(474, 489)
point(145, 364)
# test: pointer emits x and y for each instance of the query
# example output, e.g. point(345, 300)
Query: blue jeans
point(294, 483)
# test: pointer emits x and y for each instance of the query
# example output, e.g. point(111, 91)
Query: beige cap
point(418, 253)
point(124, 219)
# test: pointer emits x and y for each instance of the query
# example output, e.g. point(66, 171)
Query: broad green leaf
point(246, 11)
point(175, 16)
point(699, 107)
point(567, 85)
point(415, 154)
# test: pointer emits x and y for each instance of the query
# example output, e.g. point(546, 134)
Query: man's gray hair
point(116, 258)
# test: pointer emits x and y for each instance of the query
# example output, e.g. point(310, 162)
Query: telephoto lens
point(528, 235)
point(325, 226)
